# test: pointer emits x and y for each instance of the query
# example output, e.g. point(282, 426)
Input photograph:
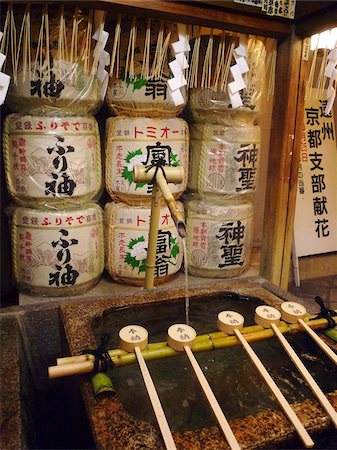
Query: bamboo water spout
point(160, 176)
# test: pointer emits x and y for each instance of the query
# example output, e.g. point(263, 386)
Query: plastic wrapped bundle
point(220, 237)
point(133, 141)
point(52, 161)
point(224, 160)
point(57, 253)
point(53, 59)
point(209, 99)
point(126, 237)
point(139, 69)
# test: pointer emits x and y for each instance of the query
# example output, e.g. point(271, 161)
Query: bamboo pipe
point(174, 175)
point(153, 237)
point(158, 350)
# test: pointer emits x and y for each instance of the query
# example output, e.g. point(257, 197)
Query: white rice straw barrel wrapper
point(139, 71)
point(134, 141)
point(57, 253)
point(209, 95)
point(53, 60)
point(224, 160)
point(219, 238)
point(126, 237)
point(52, 161)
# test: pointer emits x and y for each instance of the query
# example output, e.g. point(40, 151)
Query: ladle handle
point(158, 410)
point(302, 432)
point(306, 375)
point(326, 349)
point(224, 425)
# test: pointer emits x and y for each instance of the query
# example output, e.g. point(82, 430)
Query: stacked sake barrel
point(145, 131)
point(52, 152)
point(225, 153)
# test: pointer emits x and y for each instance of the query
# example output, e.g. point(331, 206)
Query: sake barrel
point(212, 103)
point(219, 238)
point(138, 85)
point(56, 67)
point(133, 141)
point(57, 253)
point(52, 161)
point(224, 160)
point(126, 237)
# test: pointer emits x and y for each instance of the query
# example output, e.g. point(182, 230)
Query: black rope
point(101, 354)
point(159, 164)
point(326, 313)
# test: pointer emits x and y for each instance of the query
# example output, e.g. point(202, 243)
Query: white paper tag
point(4, 84)
point(240, 50)
point(175, 68)
point(242, 63)
point(329, 69)
point(4, 79)
point(333, 54)
point(181, 46)
point(2, 59)
point(177, 82)
point(104, 85)
point(182, 60)
point(104, 38)
point(105, 58)
point(177, 97)
point(236, 86)
point(101, 71)
point(235, 99)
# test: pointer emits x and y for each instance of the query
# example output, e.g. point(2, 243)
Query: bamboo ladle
point(269, 317)
point(293, 312)
point(134, 338)
point(231, 322)
point(180, 338)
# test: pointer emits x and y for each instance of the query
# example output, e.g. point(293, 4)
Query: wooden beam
point(296, 157)
point(281, 152)
point(192, 13)
point(322, 20)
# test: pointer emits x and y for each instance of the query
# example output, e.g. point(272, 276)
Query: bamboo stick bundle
point(84, 363)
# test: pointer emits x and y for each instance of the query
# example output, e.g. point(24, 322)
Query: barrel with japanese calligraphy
point(126, 237)
point(219, 238)
point(224, 160)
point(140, 70)
point(133, 141)
point(52, 60)
point(57, 253)
point(52, 161)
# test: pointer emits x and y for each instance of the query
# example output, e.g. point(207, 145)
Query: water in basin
point(234, 380)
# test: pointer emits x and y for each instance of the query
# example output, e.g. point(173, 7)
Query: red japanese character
point(58, 221)
point(77, 125)
point(140, 221)
point(39, 125)
point(65, 125)
point(69, 220)
point(80, 219)
point(151, 132)
point(165, 132)
point(45, 222)
point(137, 132)
point(165, 218)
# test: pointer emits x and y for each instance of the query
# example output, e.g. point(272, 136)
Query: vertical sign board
point(315, 227)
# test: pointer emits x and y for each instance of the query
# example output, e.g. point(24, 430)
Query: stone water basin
point(127, 420)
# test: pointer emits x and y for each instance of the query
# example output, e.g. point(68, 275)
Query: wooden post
point(284, 157)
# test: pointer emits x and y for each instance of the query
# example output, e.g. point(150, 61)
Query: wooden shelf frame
point(291, 72)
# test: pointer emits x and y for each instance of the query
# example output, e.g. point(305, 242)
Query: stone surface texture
point(114, 428)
